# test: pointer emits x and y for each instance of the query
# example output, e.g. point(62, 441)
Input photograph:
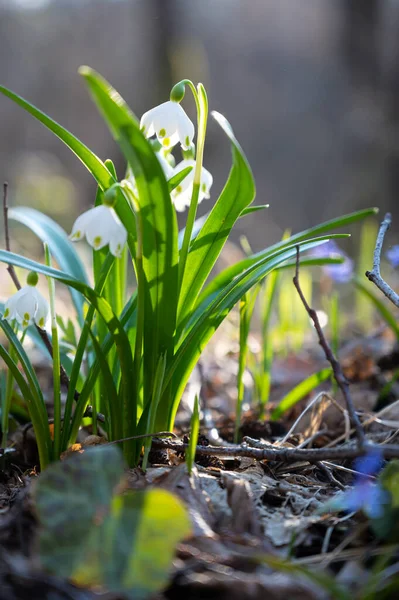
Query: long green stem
point(69, 432)
point(56, 361)
point(138, 349)
point(244, 326)
point(202, 116)
point(6, 401)
point(35, 405)
point(138, 346)
point(267, 343)
point(334, 326)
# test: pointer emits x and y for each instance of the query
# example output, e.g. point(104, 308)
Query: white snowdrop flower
point(181, 195)
point(102, 227)
point(27, 306)
point(170, 124)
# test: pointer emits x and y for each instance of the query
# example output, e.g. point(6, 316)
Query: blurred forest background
point(311, 88)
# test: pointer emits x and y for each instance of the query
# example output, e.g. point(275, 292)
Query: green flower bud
point(110, 195)
point(32, 278)
point(190, 153)
point(177, 92)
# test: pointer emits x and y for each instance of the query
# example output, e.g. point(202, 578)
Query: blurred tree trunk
point(162, 29)
point(361, 41)
point(392, 96)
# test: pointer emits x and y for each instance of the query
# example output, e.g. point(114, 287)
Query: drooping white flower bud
point(102, 227)
point(27, 306)
point(170, 124)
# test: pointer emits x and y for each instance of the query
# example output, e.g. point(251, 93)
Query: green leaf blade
point(300, 391)
point(157, 218)
point(237, 194)
point(93, 164)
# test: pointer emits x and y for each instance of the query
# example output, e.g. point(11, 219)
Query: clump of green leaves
point(139, 349)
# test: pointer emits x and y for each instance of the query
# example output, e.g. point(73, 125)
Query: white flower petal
point(170, 124)
point(118, 241)
point(9, 308)
point(181, 195)
point(179, 202)
point(171, 141)
point(98, 230)
point(26, 306)
point(146, 123)
point(101, 226)
point(185, 129)
point(206, 183)
point(188, 180)
point(42, 311)
point(79, 227)
point(182, 198)
point(117, 233)
point(165, 119)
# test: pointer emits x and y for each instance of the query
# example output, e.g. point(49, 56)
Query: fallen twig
point(278, 454)
point(375, 275)
point(336, 366)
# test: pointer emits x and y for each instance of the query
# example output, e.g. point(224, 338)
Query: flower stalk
point(201, 102)
point(138, 344)
point(56, 360)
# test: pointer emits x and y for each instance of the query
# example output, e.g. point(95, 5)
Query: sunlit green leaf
point(208, 316)
point(125, 543)
point(156, 218)
point(194, 432)
point(71, 496)
point(237, 194)
point(300, 392)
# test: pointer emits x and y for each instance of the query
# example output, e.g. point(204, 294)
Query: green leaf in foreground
point(98, 538)
point(70, 495)
point(131, 551)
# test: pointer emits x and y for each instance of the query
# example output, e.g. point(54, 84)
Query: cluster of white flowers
point(168, 121)
point(101, 225)
point(181, 195)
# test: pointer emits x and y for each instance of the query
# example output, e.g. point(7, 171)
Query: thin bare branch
point(339, 376)
point(10, 268)
point(375, 274)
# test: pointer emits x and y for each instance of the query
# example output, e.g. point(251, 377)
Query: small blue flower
point(393, 255)
point(341, 273)
point(366, 495)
